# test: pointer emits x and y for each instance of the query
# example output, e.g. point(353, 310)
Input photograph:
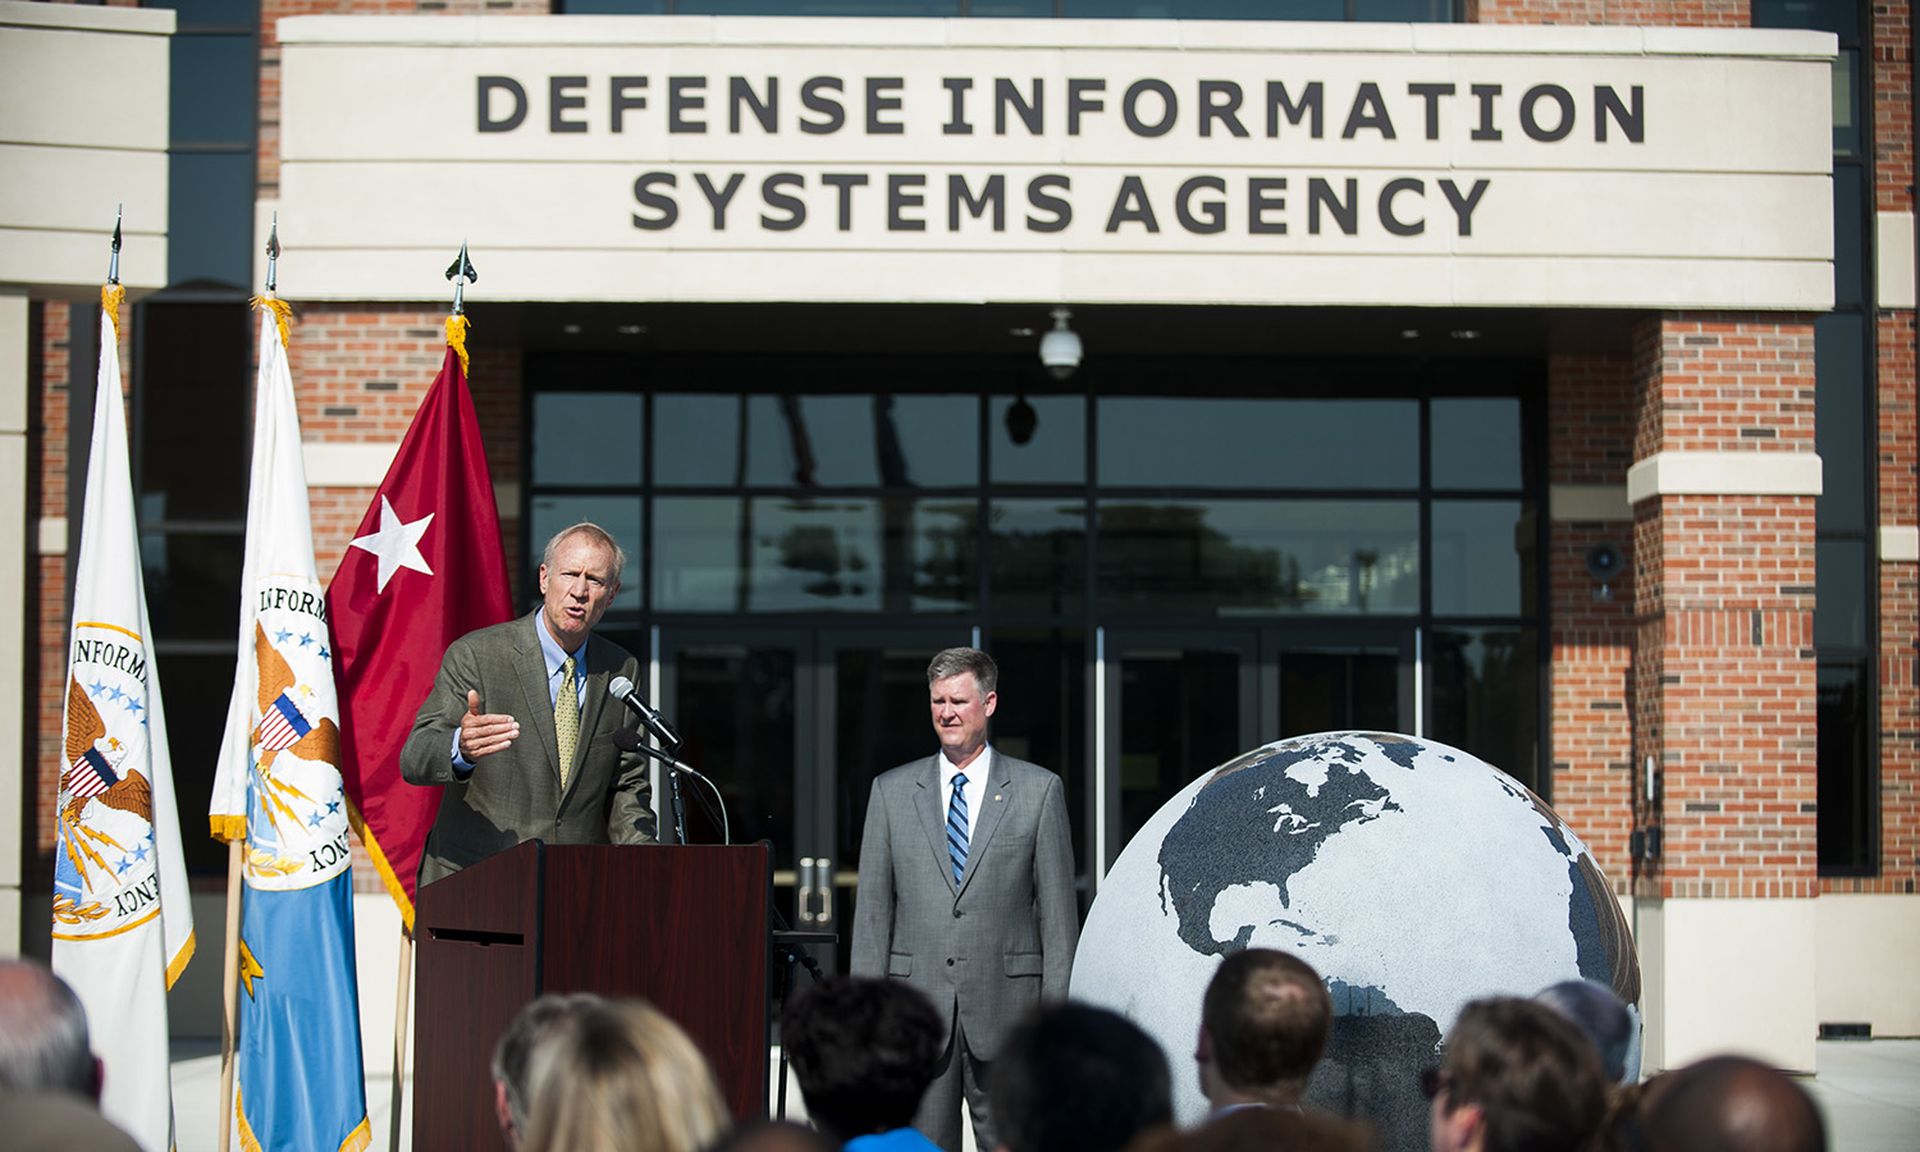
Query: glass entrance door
point(793, 725)
point(1179, 704)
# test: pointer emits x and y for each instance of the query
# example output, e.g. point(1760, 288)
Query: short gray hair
point(43, 1032)
point(956, 661)
point(592, 532)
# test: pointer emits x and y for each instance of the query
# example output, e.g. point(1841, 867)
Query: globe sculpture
point(1412, 876)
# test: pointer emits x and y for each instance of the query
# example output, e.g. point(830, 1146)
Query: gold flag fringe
point(282, 315)
point(457, 339)
point(111, 297)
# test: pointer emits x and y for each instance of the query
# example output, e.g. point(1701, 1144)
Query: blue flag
point(302, 1087)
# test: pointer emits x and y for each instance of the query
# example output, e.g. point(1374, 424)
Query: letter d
point(488, 86)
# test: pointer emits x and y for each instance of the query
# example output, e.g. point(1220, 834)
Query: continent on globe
point(1412, 876)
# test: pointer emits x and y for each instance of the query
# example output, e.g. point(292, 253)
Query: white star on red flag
point(396, 544)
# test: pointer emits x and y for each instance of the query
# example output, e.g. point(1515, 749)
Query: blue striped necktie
point(957, 827)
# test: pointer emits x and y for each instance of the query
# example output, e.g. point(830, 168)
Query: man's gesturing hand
point(482, 733)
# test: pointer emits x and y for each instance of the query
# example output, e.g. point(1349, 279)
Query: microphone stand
point(628, 740)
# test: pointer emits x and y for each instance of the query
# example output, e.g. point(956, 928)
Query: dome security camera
point(1060, 348)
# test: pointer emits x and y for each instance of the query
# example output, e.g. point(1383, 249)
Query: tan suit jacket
point(515, 795)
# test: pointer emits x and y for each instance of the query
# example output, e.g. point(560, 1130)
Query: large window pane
point(1849, 284)
point(1039, 440)
point(1840, 594)
point(1185, 442)
point(1042, 714)
point(1483, 557)
point(1485, 698)
point(193, 583)
point(1260, 557)
point(1476, 443)
point(736, 714)
point(1179, 717)
point(195, 405)
point(793, 554)
point(1846, 794)
point(587, 438)
point(1207, 9)
point(196, 687)
point(619, 515)
point(865, 440)
point(1840, 421)
point(696, 440)
point(1841, 17)
point(212, 90)
point(210, 218)
point(1039, 550)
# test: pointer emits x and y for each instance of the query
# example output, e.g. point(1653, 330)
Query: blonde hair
point(621, 1077)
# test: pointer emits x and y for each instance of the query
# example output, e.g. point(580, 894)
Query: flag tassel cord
point(230, 994)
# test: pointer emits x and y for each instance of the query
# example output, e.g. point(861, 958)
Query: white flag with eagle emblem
point(122, 920)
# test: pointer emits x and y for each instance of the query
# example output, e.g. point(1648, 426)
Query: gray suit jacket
point(991, 946)
point(514, 794)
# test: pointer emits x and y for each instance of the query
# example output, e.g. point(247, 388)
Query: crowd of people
point(583, 1073)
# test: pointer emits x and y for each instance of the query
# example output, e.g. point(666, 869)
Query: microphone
point(622, 690)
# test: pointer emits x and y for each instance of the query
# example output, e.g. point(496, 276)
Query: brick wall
point(1892, 74)
point(1590, 442)
point(1672, 13)
point(1724, 671)
point(50, 323)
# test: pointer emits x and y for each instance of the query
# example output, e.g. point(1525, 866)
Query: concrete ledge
point(1568, 502)
point(1867, 944)
point(1731, 975)
point(1899, 544)
point(1724, 474)
point(52, 536)
point(1893, 246)
point(144, 21)
point(351, 465)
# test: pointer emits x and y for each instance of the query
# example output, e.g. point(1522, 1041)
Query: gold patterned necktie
point(566, 719)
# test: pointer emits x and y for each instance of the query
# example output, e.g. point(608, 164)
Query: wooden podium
point(684, 927)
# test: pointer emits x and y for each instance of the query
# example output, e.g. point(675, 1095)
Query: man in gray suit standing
point(568, 783)
point(966, 889)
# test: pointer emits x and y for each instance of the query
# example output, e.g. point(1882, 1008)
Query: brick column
point(1589, 446)
point(1723, 488)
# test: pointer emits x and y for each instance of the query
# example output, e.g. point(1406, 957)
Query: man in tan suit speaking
point(966, 889)
point(519, 729)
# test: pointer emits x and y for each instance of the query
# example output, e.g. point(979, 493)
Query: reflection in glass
point(866, 440)
point(1250, 557)
point(1840, 594)
point(1476, 442)
point(791, 554)
point(1054, 448)
point(696, 440)
point(209, 218)
point(734, 707)
point(619, 515)
point(587, 438)
point(214, 81)
point(1327, 691)
point(1486, 696)
point(1199, 442)
point(1483, 557)
point(1179, 717)
point(1042, 713)
point(1039, 551)
point(1840, 421)
point(1845, 797)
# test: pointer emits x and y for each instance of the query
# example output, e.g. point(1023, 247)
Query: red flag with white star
point(425, 568)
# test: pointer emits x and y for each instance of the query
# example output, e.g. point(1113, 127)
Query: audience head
point(516, 1044)
point(1729, 1104)
point(864, 1052)
point(1517, 1077)
point(620, 1077)
point(43, 1033)
point(1261, 1130)
point(1075, 1078)
point(1263, 1025)
point(1603, 1017)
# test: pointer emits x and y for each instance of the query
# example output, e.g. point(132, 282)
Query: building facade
point(1534, 377)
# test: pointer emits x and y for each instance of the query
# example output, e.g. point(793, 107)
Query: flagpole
point(230, 989)
point(402, 1000)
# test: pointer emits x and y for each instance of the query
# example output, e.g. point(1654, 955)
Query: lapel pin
point(996, 795)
